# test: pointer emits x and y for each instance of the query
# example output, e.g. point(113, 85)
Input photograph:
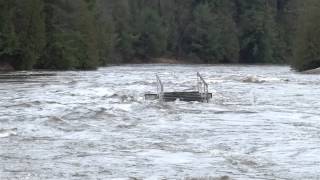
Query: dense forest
point(85, 34)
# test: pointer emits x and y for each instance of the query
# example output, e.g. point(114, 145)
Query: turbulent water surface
point(262, 123)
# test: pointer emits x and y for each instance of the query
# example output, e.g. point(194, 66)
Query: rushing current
point(262, 123)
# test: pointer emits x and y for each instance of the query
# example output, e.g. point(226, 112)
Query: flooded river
point(262, 123)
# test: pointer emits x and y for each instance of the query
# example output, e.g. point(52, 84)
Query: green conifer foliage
point(86, 34)
point(87, 52)
point(257, 31)
point(307, 44)
point(8, 37)
point(31, 29)
point(72, 35)
point(152, 38)
point(214, 35)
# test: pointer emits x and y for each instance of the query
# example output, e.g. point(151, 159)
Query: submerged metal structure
point(201, 94)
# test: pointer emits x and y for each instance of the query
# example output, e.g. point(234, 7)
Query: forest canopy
point(86, 34)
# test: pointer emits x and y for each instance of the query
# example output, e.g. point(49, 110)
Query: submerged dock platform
point(201, 95)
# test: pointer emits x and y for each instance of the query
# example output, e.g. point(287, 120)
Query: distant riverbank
point(312, 71)
point(5, 67)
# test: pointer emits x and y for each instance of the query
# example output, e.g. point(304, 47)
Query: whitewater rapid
point(262, 123)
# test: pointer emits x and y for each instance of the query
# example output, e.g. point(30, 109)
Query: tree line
point(85, 34)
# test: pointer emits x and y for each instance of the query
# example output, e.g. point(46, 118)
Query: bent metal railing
point(202, 87)
point(160, 89)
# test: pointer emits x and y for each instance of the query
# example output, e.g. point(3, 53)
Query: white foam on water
point(96, 124)
point(8, 132)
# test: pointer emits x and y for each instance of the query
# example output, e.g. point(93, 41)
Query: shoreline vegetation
point(4, 67)
point(165, 61)
point(87, 34)
point(312, 71)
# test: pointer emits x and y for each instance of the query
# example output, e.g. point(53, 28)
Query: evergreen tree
point(8, 37)
point(286, 27)
point(84, 34)
point(87, 52)
point(60, 49)
point(105, 33)
point(180, 24)
point(31, 29)
point(257, 31)
point(151, 41)
point(307, 44)
point(72, 35)
point(215, 38)
point(124, 34)
point(106, 41)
